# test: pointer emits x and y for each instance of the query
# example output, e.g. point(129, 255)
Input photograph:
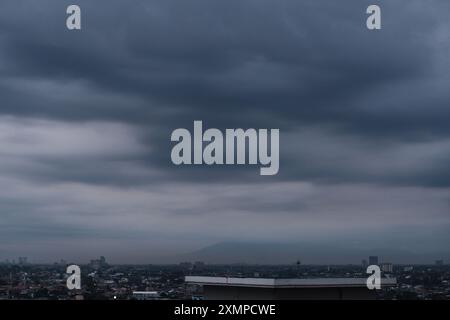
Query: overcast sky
point(86, 118)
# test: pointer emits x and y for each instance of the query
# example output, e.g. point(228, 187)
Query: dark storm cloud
point(239, 62)
point(234, 64)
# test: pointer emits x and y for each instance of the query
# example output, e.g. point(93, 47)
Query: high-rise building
point(364, 263)
point(387, 267)
point(373, 260)
point(198, 265)
point(439, 262)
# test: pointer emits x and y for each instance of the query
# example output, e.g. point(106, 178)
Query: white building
point(145, 295)
point(224, 288)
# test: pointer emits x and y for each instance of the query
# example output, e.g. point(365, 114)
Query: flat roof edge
point(285, 283)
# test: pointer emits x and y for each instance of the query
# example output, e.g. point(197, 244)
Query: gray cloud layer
point(85, 121)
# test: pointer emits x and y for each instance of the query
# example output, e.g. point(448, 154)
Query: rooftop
point(285, 283)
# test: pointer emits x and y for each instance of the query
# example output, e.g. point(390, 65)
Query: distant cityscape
point(103, 281)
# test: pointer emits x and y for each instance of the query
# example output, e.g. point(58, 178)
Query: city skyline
point(252, 254)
